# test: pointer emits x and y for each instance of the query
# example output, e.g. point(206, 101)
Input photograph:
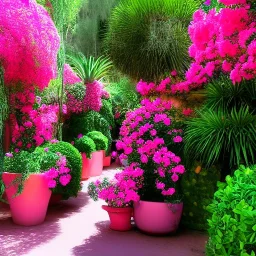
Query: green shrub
point(149, 38)
point(198, 185)
point(85, 145)
point(88, 122)
point(232, 227)
point(107, 112)
point(77, 90)
point(101, 141)
point(74, 163)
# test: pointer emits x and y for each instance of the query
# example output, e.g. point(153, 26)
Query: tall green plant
point(149, 38)
point(89, 69)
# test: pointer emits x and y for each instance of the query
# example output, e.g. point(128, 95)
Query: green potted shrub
point(28, 178)
point(232, 226)
point(86, 147)
point(101, 143)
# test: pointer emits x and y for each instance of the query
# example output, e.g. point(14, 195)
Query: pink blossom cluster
point(145, 134)
point(166, 86)
point(58, 174)
point(29, 43)
point(31, 126)
point(69, 76)
point(223, 41)
point(123, 189)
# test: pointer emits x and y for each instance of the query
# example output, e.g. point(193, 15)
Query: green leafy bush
point(85, 145)
point(149, 38)
point(232, 227)
point(77, 90)
point(88, 122)
point(101, 141)
point(198, 185)
point(74, 163)
point(107, 112)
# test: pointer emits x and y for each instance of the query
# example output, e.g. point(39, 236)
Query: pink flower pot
point(120, 218)
point(157, 218)
point(92, 167)
point(30, 207)
point(107, 161)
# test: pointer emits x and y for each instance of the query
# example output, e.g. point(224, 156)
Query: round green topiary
point(85, 145)
point(74, 163)
point(148, 38)
point(101, 141)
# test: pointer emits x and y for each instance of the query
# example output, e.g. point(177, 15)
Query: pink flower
point(117, 115)
point(79, 136)
point(160, 185)
point(187, 111)
point(9, 155)
point(167, 121)
point(52, 183)
point(65, 179)
point(174, 73)
point(175, 177)
point(177, 139)
point(153, 132)
point(16, 150)
point(143, 159)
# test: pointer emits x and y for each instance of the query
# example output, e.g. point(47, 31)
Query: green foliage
point(148, 38)
point(124, 97)
point(100, 140)
point(89, 69)
point(93, 190)
point(214, 4)
point(107, 112)
point(88, 122)
point(213, 135)
point(198, 185)
point(74, 163)
point(232, 227)
point(223, 95)
point(78, 90)
point(85, 145)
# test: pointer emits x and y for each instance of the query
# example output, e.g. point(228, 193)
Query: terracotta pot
point(157, 218)
point(92, 167)
point(120, 218)
point(30, 207)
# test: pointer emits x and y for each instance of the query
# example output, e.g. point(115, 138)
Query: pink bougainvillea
point(29, 43)
point(69, 76)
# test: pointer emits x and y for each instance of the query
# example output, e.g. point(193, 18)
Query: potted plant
point(101, 143)
point(119, 194)
point(86, 147)
point(29, 178)
point(149, 137)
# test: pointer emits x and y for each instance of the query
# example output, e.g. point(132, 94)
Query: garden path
point(79, 227)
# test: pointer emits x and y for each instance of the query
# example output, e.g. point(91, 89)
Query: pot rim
point(117, 209)
point(14, 173)
point(159, 202)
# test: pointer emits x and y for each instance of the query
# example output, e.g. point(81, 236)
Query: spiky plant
point(214, 135)
point(89, 69)
point(149, 38)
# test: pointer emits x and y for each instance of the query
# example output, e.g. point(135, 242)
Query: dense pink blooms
point(59, 174)
point(69, 76)
point(29, 43)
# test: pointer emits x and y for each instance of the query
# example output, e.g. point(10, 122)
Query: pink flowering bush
point(121, 191)
point(148, 137)
point(69, 76)
point(29, 43)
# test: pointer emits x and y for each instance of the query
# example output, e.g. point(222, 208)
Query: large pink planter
point(30, 207)
point(92, 167)
point(157, 218)
point(120, 218)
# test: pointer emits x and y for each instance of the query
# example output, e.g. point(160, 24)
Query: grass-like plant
point(149, 38)
point(214, 135)
point(89, 69)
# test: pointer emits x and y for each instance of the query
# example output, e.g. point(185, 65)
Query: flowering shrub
point(147, 135)
point(120, 191)
point(29, 43)
point(53, 165)
point(69, 76)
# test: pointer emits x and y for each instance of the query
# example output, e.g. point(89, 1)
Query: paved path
point(80, 227)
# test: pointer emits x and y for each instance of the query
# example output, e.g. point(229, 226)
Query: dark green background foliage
point(149, 38)
point(87, 122)
point(100, 140)
point(232, 227)
point(198, 190)
point(85, 145)
point(74, 163)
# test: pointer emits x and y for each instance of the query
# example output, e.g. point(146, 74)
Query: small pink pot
point(107, 161)
point(92, 166)
point(157, 218)
point(30, 207)
point(120, 218)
